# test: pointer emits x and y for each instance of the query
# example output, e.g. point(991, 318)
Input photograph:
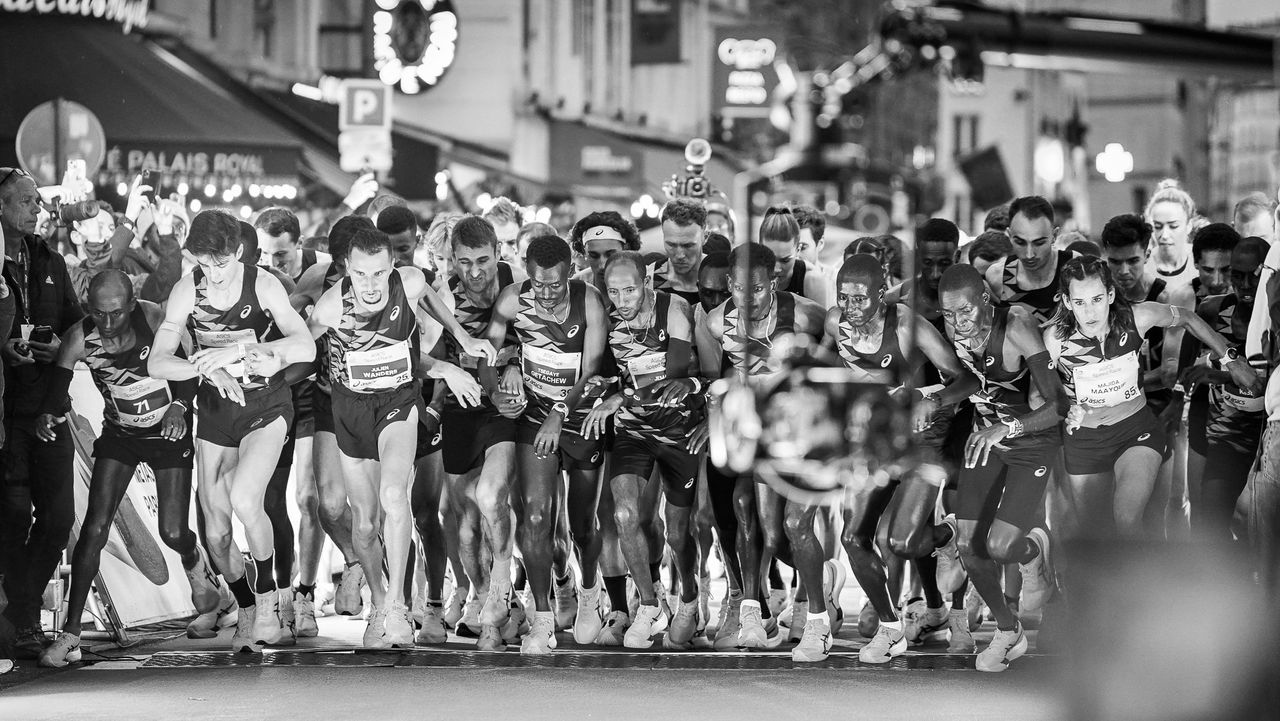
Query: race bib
point(380, 369)
point(549, 373)
point(1246, 404)
point(647, 369)
point(226, 338)
point(142, 403)
point(1108, 383)
point(472, 363)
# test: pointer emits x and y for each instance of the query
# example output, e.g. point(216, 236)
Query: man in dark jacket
point(37, 503)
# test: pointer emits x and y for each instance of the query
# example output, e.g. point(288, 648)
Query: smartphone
point(150, 177)
point(42, 334)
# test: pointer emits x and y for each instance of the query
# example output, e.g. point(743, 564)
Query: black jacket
point(53, 303)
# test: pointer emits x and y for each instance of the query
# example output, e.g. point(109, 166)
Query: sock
point(821, 616)
point(435, 604)
point(895, 625)
point(616, 588)
point(305, 590)
point(655, 571)
point(264, 582)
point(240, 589)
point(336, 578)
point(563, 580)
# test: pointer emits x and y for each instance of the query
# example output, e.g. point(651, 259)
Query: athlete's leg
point(626, 490)
point(1136, 471)
point(214, 464)
point(748, 539)
point(703, 521)
point(770, 510)
point(258, 453)
point(310, 531)
point(538, 478)
point(493, 499)
point(428, 488)
point(806, 551)
point(862, 512)
point(582, 499)
point(331, 488)
point(107, 487)
point(396, 445)
point(173, 495)
point(362, 481)
point(461, 488)
point(275, 503)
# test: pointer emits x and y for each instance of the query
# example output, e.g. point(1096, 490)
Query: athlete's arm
point(708, 337)
point(507, 394)
point(456, 380)
point(297, 345)
point(1184, 297)
point(310, 287)
point(942, 355)
point(595, 343)
point(443, 314)
point(1027, 342)
point(184, 392)
point(165, 363)
point(56, 402)
point(811, 318)
point(679, 383)
point(1160, 315)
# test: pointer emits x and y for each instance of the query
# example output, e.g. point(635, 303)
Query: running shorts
point(360, 418)
point(1095, 450)
point(632, 455)
point(225, 423)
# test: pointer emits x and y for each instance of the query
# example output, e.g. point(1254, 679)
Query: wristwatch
point(1231, 355)
point(1014, 426)
point(561, 408)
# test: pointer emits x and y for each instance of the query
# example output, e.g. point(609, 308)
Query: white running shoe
point(304, 616)
point(566, 604)
point(704, 602)
point(683, 628)
point(833, 580)
point(490, 639)
point(777, 601)
point(751, 630)
point(538, 642)
point(517, 624)
point(207, 625)
point(794, 618)
point(375, 630)
point(640, 635)
point(432, 630)
point(973, 607)
point(1005, 647)
point(961, 637)
point(951, 571)
point(242, 639)
point(665, 603)
point(1037, 575)
point(868, 620)
point(204, 585)
point(399, 629)
point(347, 599)
point(730, 623)
point(887, 644)
point(267, 628)
point(453, 607)
point(815, 643)
point(614, 630)
point(497, 605)
point(589, 621)
point(288, 621)
point(469, 625)
point(64, 650)
point(919, 620)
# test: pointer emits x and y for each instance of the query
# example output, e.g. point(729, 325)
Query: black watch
point(1231, 355)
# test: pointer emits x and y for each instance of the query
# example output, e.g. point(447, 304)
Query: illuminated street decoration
point(414, 42)
point(1114, 162)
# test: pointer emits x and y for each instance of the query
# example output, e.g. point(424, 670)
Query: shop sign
point(129, 14)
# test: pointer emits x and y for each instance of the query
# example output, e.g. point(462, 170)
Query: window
point(264, 27)
point(341, 40)
point(964, 134)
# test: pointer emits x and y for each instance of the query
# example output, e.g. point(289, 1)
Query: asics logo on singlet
point(247, 310)
point(573, 331)
point(435, 440)
point(595, 457)
point(1124, 338)
point(1041, 471)
point(689, 484)
point(146, 351)
point(991, 361)
point(884, 362)
point(662, 336)
point(395, 312)
point(394, 412)
point(186, 454)
point(1143, 437)
point(256, 423)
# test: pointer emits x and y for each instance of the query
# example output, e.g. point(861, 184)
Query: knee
point(906, 546)
point(1004, 549)
point(174, 535)
point(857, 544)
point(744, 509)
point(491, 504)
point(364, 528)
point(798, 528)
point(537, 519)
point(677, 535)
point(94, 533)
point(246, 504)
point(770, 538)
point(626, 517)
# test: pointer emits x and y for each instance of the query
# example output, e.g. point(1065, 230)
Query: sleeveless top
point(662, 281)
point(331, 277)
point(244, 322)
point(1236, 417)
point(737, 340)
point(888, 364)
point(1153, 352)
point(133, 401)
point(1003, 394)
point(1101, 374)
point(797, 278)
point(551, 354)
point(1041, 302)
point(642, 360)
point(475, 320)
point(371, 352)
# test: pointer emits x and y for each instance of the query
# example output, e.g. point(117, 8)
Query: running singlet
point(1153, 352)
point(475, 320)
point(551, 353)
point(308, 259)
point(1101, 374)
point(244, 322)
point(737, 340)
point(662, 281)
point(888, 364)
point(1236, 416)
point(133, 402)
point(372, 352)
point(797, 278)
point(1041, 302)
point(1003, 395)
point(331, 276)
point(641, 356)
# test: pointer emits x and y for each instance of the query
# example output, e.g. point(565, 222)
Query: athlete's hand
point(670, 392)
point(1075, 417)
point(598, 418)
point(512, 381)
point(509, 405)
point(226, 386)
point(922, 413)
point(463, 387)
point(1242, 374)
point(209, 360)
point(173, 426)
point(479, 348)
point(13, 356)
point(547, 441)
point(1198, 375)
point(978, 449)
point(46, 424)
point(45, 352)
point(263, 362)
point(430, 421)
point(698, 438)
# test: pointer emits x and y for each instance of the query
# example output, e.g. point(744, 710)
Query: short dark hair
point(990, 246)
point(370, 241)
point(779, 225)
point(756, 256)
point(862, 266)
point(1084, 246)
point(813, 219)
point(341, 232)
point(610, 218)
point(381, 203)
point(629, 257)
point(249, 241)
point(684, 212)
point(1031, 207)
point(963, 278)
point(1213, 237)
point(714, 261)
point(472, 231)
point(716, 243)
point(548, 251)
point(112, 279)
point(215, 233)
point(276, 221)
point(938, 230)
point(1254, 246)
point(1125, 230)
point(397, 219)
point(997, 218)
point(863, 245)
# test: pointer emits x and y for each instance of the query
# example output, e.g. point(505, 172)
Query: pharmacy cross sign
point(1114, 162)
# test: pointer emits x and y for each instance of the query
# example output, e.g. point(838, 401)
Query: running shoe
point(777, 601)
point(490, 639)
point(64, 650)
point(665, 603)
point(795, 620)
point(919, 620)
point(868, 620)
point(1005, 647)
point(961, 637)
point(347, 600)
point(951, 571)
point(469, 625)
point(207, 625)
point(517, 624)
point(730, 623)
point(432, 630)
point(566, 603)
point(704, 602)
point(684, 626)
point(589, 621)
point(453, 607)
point(887, 644)
point(614, 630)
point(815, 643)
point(973, 607)
point(833, 580)
point(204, 584)
point(304, 616)
point(1037, 574)
point(399, 629)
point(752, 632)
point(288, 621)
point(375, 630)
point(497, 605)
point(266, 619)
point(30, 641)
point(538, 642)
point(242, 640)
point(640, 635)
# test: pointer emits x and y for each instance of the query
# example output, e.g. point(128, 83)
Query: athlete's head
point(684, 223)
point(865, 245)
point(1031, 230)
point(381, 203)
point(340, 236)
point(110, 302)
point(752, 281)
point(602, 234)
point(813, 228)
point(997, 219)
point(1246, 268)
point(549, 262)
point(528, 232)
point(936, 243)
point(1126, 246)
point(860, 289)
point(627, 283)
point(475, 253)
point(278, 236)
point(965, 302)
point(401, 226)
point(780, 233)
point(1211, 250)
point(716, 243)
point(506, 219)
point(1255, 215)
point(370, 263)
point(720, 218)
point(713, 280)
point(1087, 300)
point(438, 244)
point(216, 245)
point(1084, 246)
point(1170, 212)
point(989, 247)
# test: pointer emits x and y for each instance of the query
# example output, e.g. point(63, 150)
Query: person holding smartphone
point(37, 505)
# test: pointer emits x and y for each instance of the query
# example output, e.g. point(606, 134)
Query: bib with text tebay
point(550, 374)
point(381, 369)
point(1108, 383)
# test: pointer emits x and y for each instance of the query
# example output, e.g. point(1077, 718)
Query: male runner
point(507, 220)
point(233, 312)
point(1029, 277)
point(144, 419)
point(560, 323)
point(279, 238)
point(684, 224)
point(602, 234)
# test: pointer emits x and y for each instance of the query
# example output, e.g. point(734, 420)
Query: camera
point(697, 153)
point(69, 213)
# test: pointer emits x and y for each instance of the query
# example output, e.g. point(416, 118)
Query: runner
point(1015, 439)
point(144, 419)
point(1029, 277)
point(561, 327)
point(684, 223)
point(507, 221)
point(653, 414)
point(780, 233)
point(279, 239)
point(233, 312)
point(602, 234)
point(1172, 213)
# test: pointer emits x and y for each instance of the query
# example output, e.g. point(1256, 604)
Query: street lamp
point(1114, 162)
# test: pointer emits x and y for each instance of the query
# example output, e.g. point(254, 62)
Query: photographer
point(37, 475)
